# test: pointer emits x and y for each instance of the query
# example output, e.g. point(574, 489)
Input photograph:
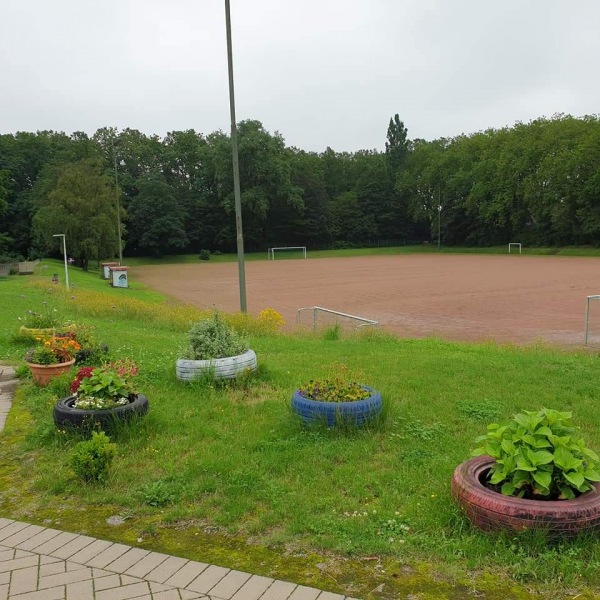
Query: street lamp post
point(236, 167)
point(118, 203)
point(64, 245)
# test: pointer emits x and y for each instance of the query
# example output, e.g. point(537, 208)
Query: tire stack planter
point(42, 374)
point(222, 368)
point(333, 413)
point(32, 332)
point(65, 415)
point(491, 511)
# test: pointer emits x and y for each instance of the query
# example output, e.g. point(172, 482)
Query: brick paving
point(38, 563)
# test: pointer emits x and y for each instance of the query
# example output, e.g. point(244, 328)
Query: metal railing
point(316, 309)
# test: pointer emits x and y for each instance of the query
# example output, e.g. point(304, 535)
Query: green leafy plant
point(539, 455)
point(213, 338)
point(105, 387)
point(333, 390)
point(46, 318)
point(91, 459)
point(41, 355)
point(204, 254)
point(158, 493)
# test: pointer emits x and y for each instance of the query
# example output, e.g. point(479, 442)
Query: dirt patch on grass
point(512, 298)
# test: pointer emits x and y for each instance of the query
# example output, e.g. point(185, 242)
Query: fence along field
point(507, 298)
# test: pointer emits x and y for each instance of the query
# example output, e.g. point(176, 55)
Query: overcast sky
point(321, 72)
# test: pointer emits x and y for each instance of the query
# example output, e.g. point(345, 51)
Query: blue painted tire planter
point(354, 413)
point(65, 415)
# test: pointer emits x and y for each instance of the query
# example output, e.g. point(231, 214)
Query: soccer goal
point(514, 244)
point(271, 251)
point(587, 317)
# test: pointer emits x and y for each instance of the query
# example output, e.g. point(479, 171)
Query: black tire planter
point(491, 511)
point(333, 413)
point(65, 415)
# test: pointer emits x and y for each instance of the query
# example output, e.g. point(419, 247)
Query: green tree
point(397, 145)
point(81, 205)
point(156, 219)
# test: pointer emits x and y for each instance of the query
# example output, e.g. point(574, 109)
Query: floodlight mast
point(62, 235)
point(236, 167)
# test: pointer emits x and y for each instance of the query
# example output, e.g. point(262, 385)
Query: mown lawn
point(226, 474)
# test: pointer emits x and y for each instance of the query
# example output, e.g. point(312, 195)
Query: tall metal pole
point(236, 167)
point(118, 205)
point(63, 236)
point(439, 218)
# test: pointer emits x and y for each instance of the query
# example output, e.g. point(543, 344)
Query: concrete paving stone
point(4, 591)
point(18, 563)
point(159, 587)
point(60, 566)
point(63, 578)
point(189, 595)
point(90, 552)
point(47, 560)
point(5, 522)
point(2, 548)
point(55, 543)
point(97, 573)
point(7, 554)
point(127, 579)
point(78, 543)
point(186, 574)
point(24, 580)
point(166, 569)
point(254, 588)
point(172, 594)
point(4, 577)
point(280, 590)
point(124, 592)
point(127, 560)
point(11, 529)
point(82, 590)
point(22, 553)
point(108, 556)
point(105, 583)
point(57, 593)
point(146, 564)
point(39, 539)
point(330, 596)
point(207, 579)
point(22, 536)
point(304, 593)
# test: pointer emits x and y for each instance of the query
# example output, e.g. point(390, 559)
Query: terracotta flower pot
point(42, 374)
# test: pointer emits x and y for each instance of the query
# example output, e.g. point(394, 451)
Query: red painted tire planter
point(65, 415)
point(355, 413)
point(491, 510)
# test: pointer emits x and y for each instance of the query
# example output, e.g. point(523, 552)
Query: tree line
point(536, 183)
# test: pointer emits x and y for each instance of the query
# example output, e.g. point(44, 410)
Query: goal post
point(271, 251)
point(514, 244)
point(587, 317)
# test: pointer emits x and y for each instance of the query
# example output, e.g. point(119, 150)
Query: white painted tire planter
point(222, 368)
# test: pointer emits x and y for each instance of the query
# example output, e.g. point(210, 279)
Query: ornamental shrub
point(213, 338)
point(91, 459)
point(539, 455)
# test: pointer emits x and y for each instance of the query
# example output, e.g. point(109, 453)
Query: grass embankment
point(227, 475)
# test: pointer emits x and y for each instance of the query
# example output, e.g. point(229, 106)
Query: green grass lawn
point(226, 474)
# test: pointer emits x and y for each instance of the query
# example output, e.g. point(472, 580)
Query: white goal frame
point(271, 251)
point(514, 244)
point(587, 316)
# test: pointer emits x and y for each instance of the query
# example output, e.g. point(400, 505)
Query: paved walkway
point(37, 563)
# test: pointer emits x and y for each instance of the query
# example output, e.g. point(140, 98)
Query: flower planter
point(332, 413)
point(222, 368)
point(66, 415)
point(490, 510)
point(42, 374)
